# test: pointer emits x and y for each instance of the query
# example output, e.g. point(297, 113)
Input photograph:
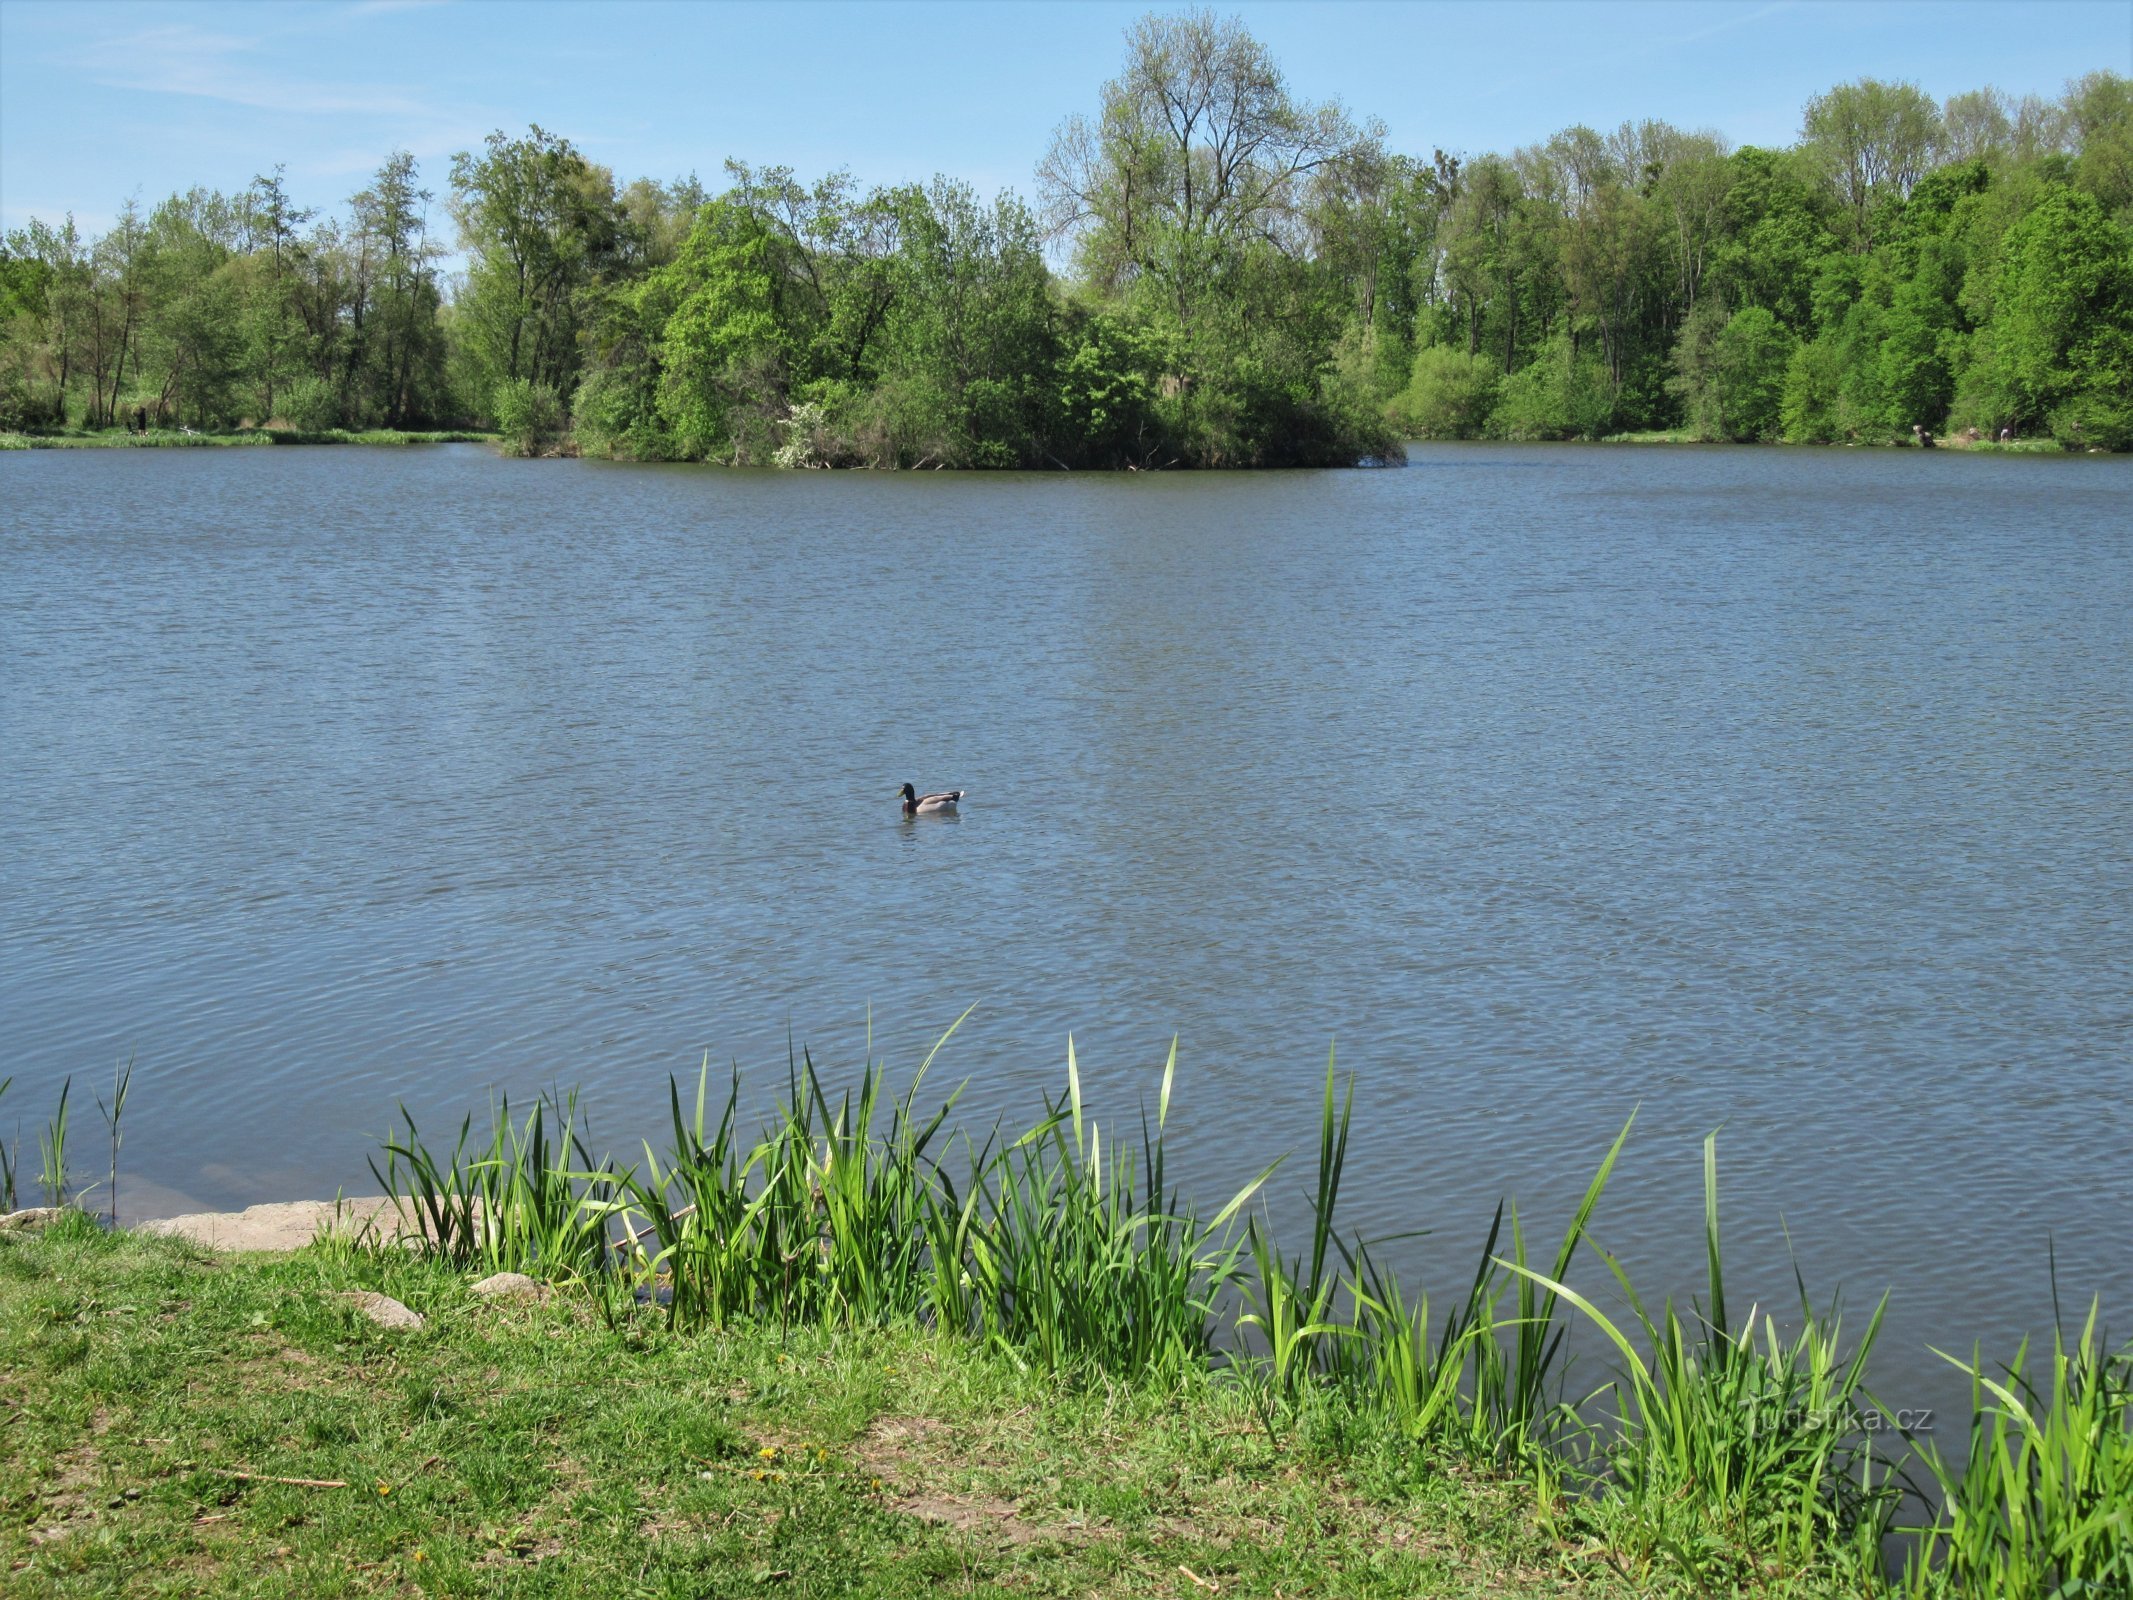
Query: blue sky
point(102, 100)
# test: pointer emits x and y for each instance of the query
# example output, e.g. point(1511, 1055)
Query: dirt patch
point(891, 1443)
point(910, 1456)
point(66, 1500)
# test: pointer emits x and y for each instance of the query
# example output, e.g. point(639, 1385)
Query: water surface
point(1786, 793)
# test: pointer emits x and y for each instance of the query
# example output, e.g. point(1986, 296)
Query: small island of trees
point(1213, 273)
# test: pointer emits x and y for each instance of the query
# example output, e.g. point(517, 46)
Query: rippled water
point(1787, 793)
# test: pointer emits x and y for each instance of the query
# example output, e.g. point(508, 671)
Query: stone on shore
point(382, 1309)
point(509, 1286)
point(31, 1220)
point(288, 1225)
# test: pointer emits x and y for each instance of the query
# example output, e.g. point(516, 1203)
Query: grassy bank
point(1321, 1427)
point(531, 1449)
point(175, 439)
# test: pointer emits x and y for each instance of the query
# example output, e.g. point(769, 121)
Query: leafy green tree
point(2059, 348)
point(970, 335)
point(1874, 140)
point(726, 341)
point(540, 225)
point(272, 318)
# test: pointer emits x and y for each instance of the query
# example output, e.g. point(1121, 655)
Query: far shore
point(188, 438)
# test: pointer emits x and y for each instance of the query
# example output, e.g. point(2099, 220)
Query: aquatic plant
point(526, 1201)
point(7, 1159)
point(2043, 1502)
point(1729, 1439)
point(52, 1152)
point(121, 1087)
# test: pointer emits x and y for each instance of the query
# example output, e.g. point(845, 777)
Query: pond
point(1787, 793)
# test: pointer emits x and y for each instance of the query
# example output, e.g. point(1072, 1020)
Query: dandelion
point(769, 1452)
point(384, 1487)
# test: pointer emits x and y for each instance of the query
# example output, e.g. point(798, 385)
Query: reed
point(1729, 1439)
point(113, 1115)
point(52, 1152)
point(529, 1200)
point(2043, 1503)
point(7, 1158)
point(1083, 1261)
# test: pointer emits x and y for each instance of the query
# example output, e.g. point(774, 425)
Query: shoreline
point(170, 439)
point(239, 439)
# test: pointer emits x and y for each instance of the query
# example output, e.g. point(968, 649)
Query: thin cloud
point(210, 66)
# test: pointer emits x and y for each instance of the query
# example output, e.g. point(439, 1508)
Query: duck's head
point(908, 792)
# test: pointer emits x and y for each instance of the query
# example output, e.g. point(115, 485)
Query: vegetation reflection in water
point(1718, 1440)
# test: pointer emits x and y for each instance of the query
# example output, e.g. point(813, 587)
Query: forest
point(1210, 272)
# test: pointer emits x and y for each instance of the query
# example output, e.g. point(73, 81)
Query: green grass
point(169, 438)
point(2013, 447)
point(534, 1450)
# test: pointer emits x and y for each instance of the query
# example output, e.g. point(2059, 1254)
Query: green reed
point(52, 1151)
point(530, 1199)
point(1083, 1260)
point(7, 1159)
point(1729, 1439)
point(114, 1115)
point(2043, 1505)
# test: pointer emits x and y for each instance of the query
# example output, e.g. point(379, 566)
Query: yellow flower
point(384, 1487)
point(419, 1556)
point(769, 1452)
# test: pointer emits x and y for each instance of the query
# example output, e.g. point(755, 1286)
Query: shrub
point(528, 415)
point(1557, 395)
point(310, 405)
point(1448, 395)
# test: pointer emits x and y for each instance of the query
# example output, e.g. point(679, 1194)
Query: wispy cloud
point(184, 60)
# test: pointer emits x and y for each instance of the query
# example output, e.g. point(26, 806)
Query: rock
point(286, 1226)
point(382, 1309)
point(32, 1220)
point(510, 1286)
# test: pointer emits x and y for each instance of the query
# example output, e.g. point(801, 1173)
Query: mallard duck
point(925, 805)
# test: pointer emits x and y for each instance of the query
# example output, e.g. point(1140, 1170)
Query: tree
point(396, 363)
point(540, 225)
point(1875, 140)
point(2059, 347)
point(1198, 154)
point(273, 321)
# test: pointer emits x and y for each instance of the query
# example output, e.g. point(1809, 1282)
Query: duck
point(926, 805)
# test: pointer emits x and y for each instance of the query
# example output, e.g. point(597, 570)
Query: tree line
point(1212, 272)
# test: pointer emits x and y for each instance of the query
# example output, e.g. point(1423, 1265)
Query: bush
point(1809, 405)
point(1448, 396)
point(2096, 421)
point(310, 405)
point(1557, 395)
point(614, 414)
point(528, 415)
point(1752, 353)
